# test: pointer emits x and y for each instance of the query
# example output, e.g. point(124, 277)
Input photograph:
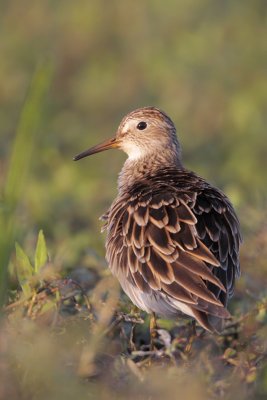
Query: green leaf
point(40, 252)
point(24, 270)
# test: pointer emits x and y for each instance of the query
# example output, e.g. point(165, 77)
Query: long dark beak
point(107, 144)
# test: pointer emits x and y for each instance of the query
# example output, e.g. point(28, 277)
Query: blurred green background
point(70, 70)
point(203, 62)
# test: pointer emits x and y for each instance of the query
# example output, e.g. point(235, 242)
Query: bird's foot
point(153, 331)
point(192, 337)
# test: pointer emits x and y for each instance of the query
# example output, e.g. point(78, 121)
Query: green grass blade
point(21, 154)
point(40, 253)
point(24, 270)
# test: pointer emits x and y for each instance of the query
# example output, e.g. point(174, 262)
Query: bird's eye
point(142, 125)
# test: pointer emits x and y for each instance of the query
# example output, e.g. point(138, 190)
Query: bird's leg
point(152, 329)
point(192, 337)
point(193, 326)
point(131, 341)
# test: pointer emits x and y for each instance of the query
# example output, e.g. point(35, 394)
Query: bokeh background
point(202, 61)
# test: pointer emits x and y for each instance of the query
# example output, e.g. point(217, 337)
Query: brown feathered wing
point(182, 243)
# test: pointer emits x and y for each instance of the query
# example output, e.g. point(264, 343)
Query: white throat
point(134, 152)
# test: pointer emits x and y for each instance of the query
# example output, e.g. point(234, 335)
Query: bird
point(172, 238)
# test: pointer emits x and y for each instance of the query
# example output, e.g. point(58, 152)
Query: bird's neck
point(141, 168)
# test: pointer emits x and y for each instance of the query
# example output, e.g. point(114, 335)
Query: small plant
point(28, 275)
point(37, 295)
point(43, 290)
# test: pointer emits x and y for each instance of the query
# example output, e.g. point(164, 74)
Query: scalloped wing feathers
point(177, 243)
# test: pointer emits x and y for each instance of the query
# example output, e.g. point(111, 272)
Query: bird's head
point(141, 133)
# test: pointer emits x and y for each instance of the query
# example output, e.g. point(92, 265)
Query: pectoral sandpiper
point(172, 238)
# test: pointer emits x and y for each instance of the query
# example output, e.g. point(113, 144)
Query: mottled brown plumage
point(172, 238)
